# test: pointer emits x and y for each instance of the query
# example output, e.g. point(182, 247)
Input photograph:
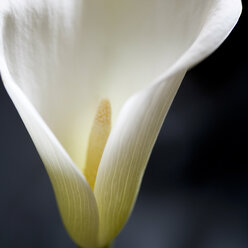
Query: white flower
point(74, 68)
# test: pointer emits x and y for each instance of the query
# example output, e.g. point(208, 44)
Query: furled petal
point(60, 58)
point(127, 152)
point(75, 199)
point(131, 141)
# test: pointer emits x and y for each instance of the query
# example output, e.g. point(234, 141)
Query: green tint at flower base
point(93, 81)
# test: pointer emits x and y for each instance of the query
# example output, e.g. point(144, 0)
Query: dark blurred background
point(195, 189)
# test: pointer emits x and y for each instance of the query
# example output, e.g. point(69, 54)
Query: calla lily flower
point(93, 81)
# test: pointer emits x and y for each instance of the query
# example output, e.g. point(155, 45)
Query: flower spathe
point(92, 81)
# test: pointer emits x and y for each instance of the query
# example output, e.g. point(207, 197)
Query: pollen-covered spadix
point(97, 140)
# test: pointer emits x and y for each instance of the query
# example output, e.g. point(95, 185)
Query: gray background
point(195, 190)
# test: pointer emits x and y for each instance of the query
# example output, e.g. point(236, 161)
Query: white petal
point(131, 141)
point(68, 55)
